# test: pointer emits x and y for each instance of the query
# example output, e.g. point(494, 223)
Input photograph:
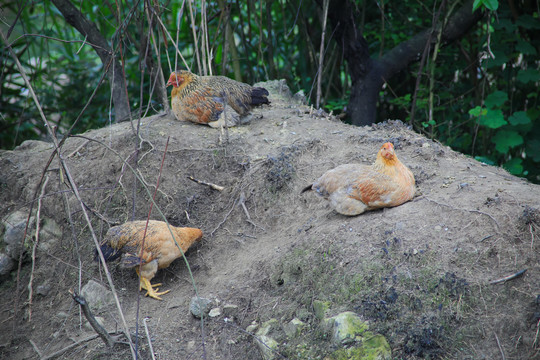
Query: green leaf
point(525, 76)
point(506, 139)
point(528, 22)
point(492, 5)
point(496, 99)
point(525, 47)
point(505, 24)
point(478, 111)
point(477, 4)
point(514, 166)
point(519, 118)
point(485, 160)
point(493, 119)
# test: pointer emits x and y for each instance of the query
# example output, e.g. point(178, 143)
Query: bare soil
point(419, 273)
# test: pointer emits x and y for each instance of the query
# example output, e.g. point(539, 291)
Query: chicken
point(159, 249)
point(354, 188)
point(212, 100)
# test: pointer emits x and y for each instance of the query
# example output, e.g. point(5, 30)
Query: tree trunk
point(115, 73)
point(369, 74)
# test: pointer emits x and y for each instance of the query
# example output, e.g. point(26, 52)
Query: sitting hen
point(354, 188)
point(212, 100)
point(158, 252)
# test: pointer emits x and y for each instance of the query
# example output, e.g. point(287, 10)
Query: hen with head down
point(148, 250)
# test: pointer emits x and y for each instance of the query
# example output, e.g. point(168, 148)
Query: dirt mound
point(419, 273)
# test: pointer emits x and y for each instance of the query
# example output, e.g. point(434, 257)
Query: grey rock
point(230, 310)
point(6, 264)
point(215, 312)
point(97, 296)
point(294, 327)
point(14, 226)
point(252, 327)
point(267, 347)
point(269, 327)
point(199, 306)
point(43, 289)
point(49, 235)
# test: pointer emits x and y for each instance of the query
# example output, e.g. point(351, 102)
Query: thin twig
point(213, 186)
point(148, 338)
point(242, 202)
point(536, 336)
point(499, 345)
point(78, 148)
point(69, 347)
point(144, 239)
point(34, 248)
point(224, 219)
point(321, 54)
point(532, 235)
point(36, 349)
point(509, 277)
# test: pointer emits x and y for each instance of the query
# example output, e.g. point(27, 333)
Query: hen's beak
point(169, 83)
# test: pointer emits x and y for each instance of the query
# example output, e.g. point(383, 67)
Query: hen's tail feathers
point(307, 188)
point(259, 96)
point(109, 253)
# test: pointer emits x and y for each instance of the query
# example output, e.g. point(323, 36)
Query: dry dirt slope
point(419, 273)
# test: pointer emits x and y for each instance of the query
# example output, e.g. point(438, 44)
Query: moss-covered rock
point(346, 328)
point(373, 348)
point(294, 327)
point(266, 338)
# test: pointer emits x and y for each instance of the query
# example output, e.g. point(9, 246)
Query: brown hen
point(355, 188)
point(158, 252)
point(212, 100)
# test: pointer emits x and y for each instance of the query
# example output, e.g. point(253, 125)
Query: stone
point(252, 327)
point(49, 235)
point(294, 327)
point(268, 327)
point(215, 312)
point(6, 264)
point(97, 296)
point(346, 328)
point(230, 310)
point(199, 306)
point(373, 348)
point(43, 289)
point(14, 226)
point(267, 347)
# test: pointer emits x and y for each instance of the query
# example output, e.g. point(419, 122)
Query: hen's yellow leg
point(145, 284)
point(150, 291)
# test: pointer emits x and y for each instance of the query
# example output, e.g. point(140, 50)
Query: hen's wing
point(374, 189)
point(337, 178)
point(200, 105)
point(241, 97)
point(127, 240)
